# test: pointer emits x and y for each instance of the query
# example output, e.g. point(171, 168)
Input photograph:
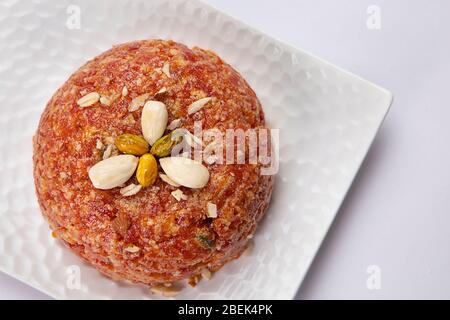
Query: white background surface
point(396, 215)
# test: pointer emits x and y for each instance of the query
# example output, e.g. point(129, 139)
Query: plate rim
point(385, 106)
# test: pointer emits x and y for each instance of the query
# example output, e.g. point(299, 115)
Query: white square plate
point(326, 116)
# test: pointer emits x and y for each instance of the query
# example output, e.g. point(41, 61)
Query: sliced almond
point(210, 159)
point(206, 274)
point(170, 291)
point(174, 124)
point(167, 180)
point(138, 102)
point(179, 195)
point(130, 190)
point(153, 120)
point(104, 100)
point(132, 249)
point(108, 151)
point(197, 105)
point(161, 91)
point(166, 69)
point(88, 100)
point(124, 91)
point(212, 210)
point(113, 172)
point(185, 171)
point(190, 139)
point(99, 144)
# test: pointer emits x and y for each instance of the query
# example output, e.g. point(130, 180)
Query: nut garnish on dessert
point(99, 144)
point(108, 151)
point(161, 91)
point(153, 120)
point(167, 180)
point(104, 100)
point(142, 229)
point(88, 100)
point(132, 249)
point(131, 144)
point(186, 172)
point(130, 190)
point(138, 102)
point(166, 69)
point(174, 124)
point(165, 291)
point(147, 170)
point(212, 210)
point(179, 195)
point(164, 145)
point(197, 105)
point(206, 274)
point(113, 172)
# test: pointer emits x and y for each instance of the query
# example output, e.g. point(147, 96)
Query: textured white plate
point(326, 116)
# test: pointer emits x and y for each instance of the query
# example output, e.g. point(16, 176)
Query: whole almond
point(113, 172)
point(185, 171)
point(153, 120)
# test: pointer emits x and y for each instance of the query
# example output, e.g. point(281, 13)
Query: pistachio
point(113, 172)
point(147, 170)
point(131, 144)
point(153, 120)
point(185, 171)
point(164, 145)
